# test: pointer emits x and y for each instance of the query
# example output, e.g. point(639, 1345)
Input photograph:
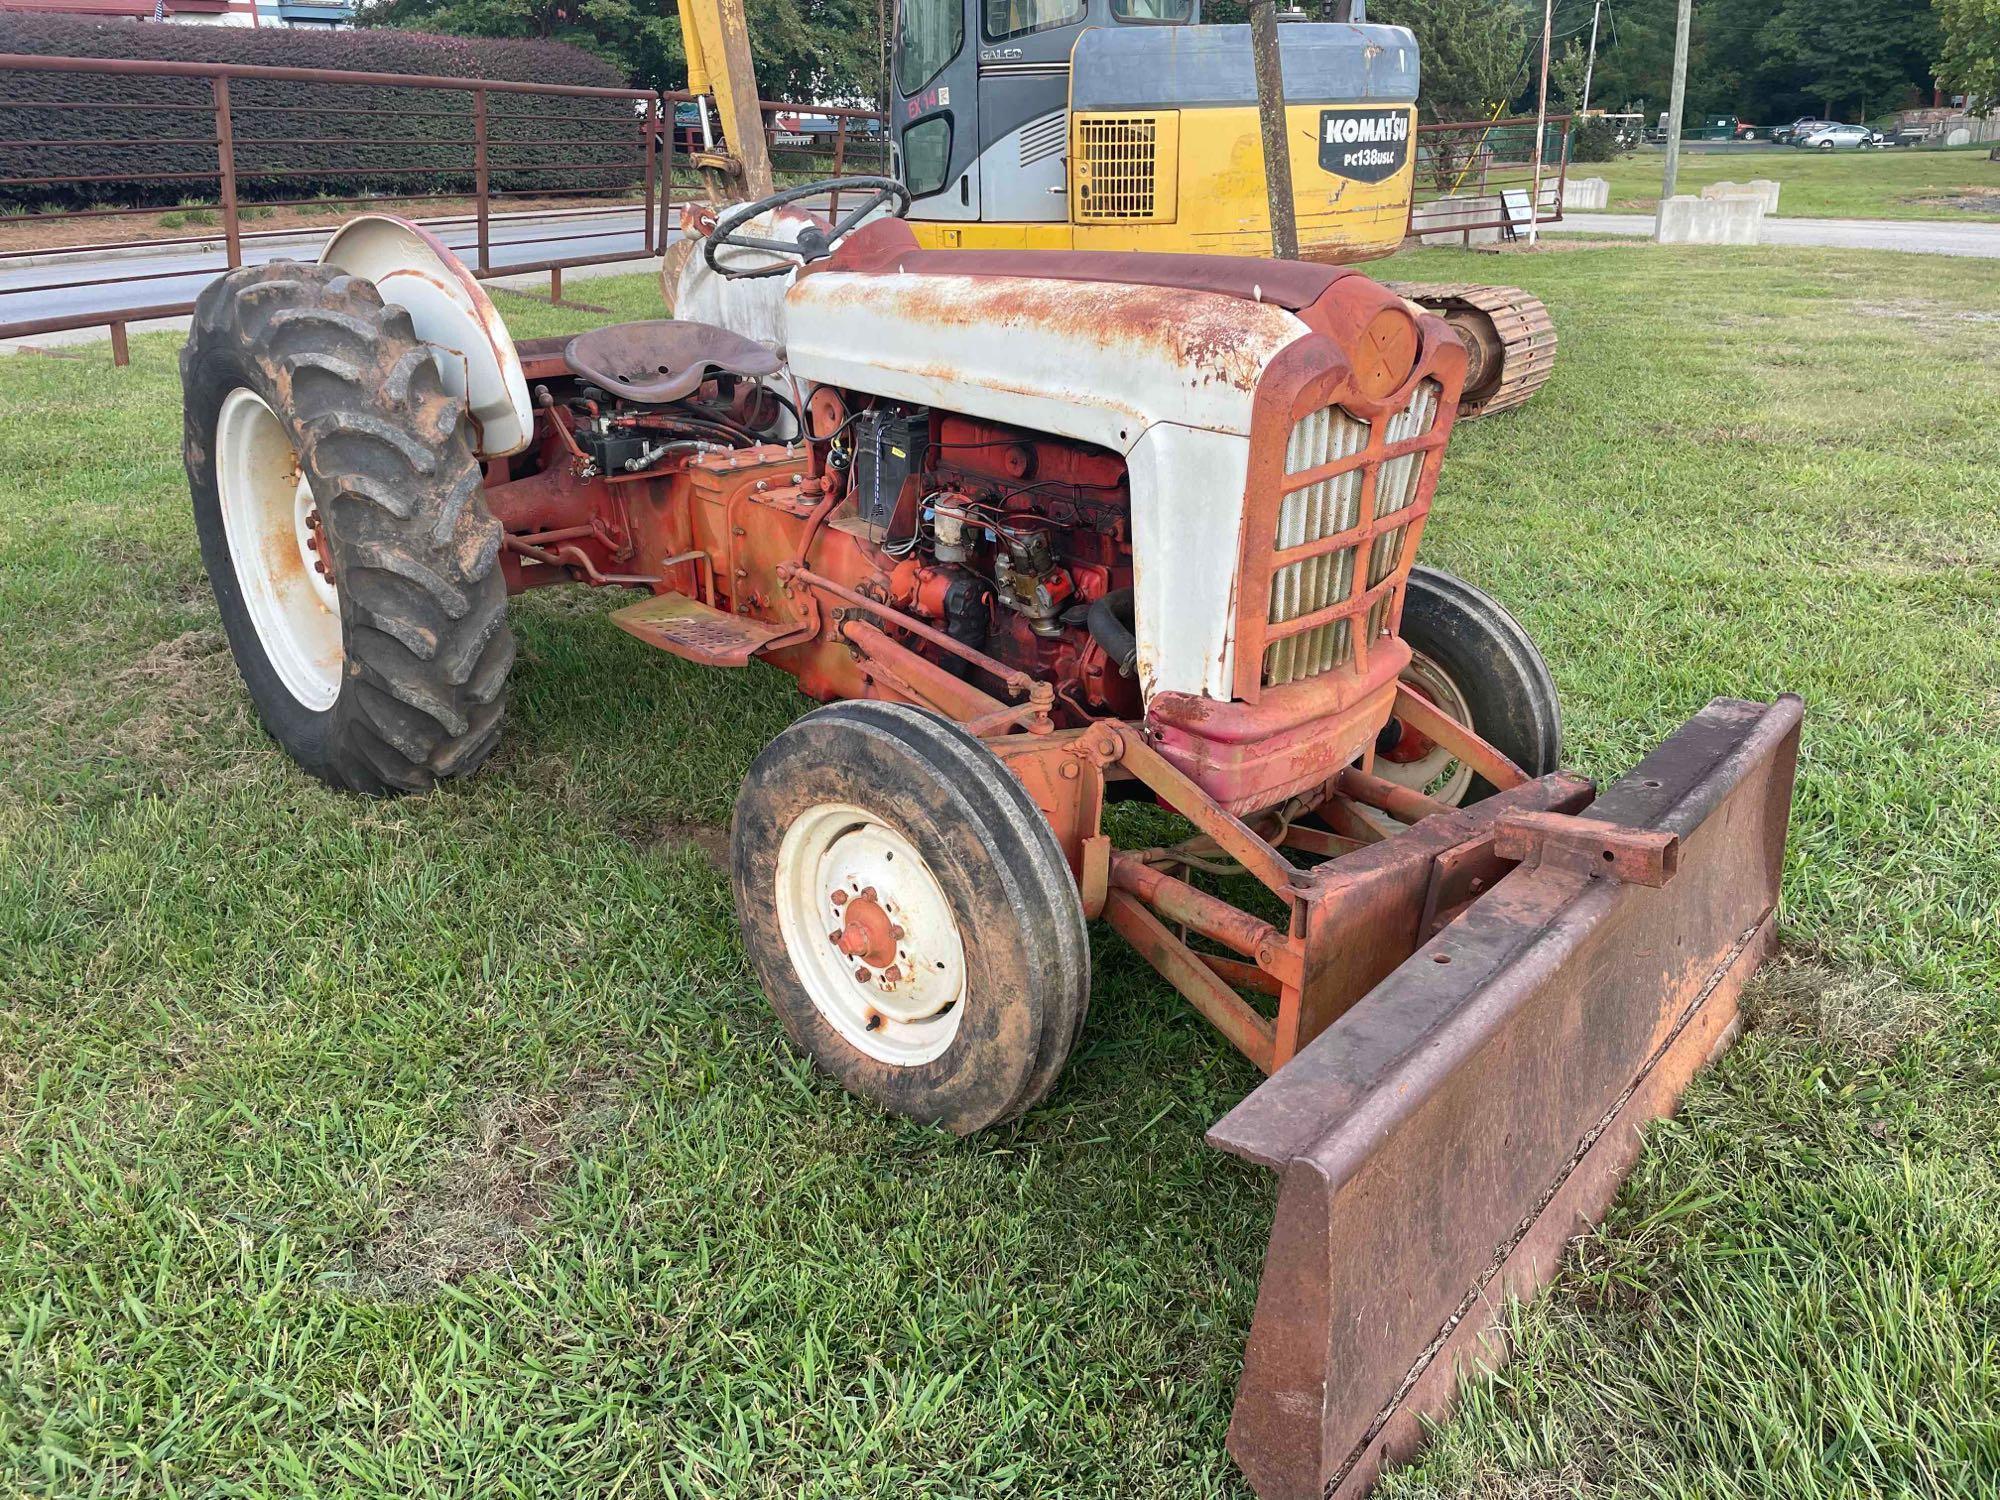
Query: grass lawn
point(1897, 184)
point(446, 1147)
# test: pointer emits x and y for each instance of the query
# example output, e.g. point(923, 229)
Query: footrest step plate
point(695, 631)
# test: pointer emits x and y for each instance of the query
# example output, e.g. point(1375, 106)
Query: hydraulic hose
point(1110, 625)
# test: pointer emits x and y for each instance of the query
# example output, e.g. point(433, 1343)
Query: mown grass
point(1894, 184)
point(445, 1147)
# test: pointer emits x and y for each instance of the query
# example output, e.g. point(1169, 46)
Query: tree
point(1473, 54)
point(1566, 70)
point(1969, 58)
point(1840, 53)
point(819, 50)
point(1767, 62)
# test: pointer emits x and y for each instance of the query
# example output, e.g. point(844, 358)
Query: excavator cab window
point(927, 155)
point(1012, 18)
point(929, 36)
point(1154, 12)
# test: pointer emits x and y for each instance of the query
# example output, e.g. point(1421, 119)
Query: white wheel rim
point(871, 935)
point(1440, 773)
point(271, 523)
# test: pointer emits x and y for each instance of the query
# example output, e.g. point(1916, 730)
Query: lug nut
point(840, 898)
point(892, 975)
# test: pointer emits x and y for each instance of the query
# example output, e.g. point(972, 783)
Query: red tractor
point(1046, 531)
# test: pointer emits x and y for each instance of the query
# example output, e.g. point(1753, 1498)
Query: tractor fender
point(415, 270)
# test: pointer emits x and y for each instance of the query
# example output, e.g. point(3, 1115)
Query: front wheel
point(1473, 660)
point(910, 914)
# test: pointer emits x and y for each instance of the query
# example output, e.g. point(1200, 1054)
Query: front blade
point(1441, 1142)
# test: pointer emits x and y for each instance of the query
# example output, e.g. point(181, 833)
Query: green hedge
point(539, 143)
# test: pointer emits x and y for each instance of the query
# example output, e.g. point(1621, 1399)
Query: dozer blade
point(1440, 1143)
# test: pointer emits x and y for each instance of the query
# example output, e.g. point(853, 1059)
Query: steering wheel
point(812, 244)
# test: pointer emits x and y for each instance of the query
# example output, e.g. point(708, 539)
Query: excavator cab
point(1127, 125)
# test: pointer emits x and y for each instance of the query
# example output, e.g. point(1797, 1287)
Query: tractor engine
point(1019, 545)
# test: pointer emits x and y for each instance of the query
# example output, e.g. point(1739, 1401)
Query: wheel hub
point(1414, 760)
point(1400, 745)
point(278, 548)
point(871, 933)
point(867, 933)
point(314, 551)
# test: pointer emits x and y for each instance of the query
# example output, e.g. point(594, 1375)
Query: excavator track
point(1508, 334)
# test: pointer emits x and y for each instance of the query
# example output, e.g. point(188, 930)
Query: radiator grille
point(1117, 161)
point(1327, 507)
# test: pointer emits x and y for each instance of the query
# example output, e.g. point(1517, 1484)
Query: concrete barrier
point(1760, 188)
point(1686, 220)
point(1443, 221)
point(1587, 193)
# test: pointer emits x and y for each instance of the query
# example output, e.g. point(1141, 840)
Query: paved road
point(177, 273)
point(1925, 236)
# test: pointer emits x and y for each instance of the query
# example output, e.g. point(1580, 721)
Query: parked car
point(1841, 138)
point(1803, 126)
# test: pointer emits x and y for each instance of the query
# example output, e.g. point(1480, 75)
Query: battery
point(888, 448)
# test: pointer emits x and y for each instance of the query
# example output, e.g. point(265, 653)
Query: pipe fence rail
point(569, 174)
point(1481, 177)
point(527, 178)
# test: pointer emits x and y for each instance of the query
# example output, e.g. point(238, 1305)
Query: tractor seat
point(665, 359)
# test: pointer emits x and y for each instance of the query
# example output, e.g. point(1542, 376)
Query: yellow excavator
point(1129, 125)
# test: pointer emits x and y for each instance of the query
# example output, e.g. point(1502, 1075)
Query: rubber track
point(1526, 331)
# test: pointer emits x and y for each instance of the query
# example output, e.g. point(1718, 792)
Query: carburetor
point(1029, 580)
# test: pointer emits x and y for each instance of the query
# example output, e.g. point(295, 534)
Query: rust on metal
point(1393, 798)
point(1246, 1030)
point(1483, 1102)
point(1589, 846)
point(1311, 376)
point(1432, 724)
point(1208, 915)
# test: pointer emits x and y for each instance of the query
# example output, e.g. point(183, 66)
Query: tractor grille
point(1117, 160)
point(1327, 507)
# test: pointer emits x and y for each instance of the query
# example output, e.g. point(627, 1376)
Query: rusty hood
point(1099, 361)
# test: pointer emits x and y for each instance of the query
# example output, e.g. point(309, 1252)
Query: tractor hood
point(1093, 346)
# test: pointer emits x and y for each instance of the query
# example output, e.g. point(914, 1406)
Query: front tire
point(342, 522)
point(910, 914)
point(1475, 662)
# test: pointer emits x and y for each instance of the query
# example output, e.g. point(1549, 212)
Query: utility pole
point(1681, 20)
point(1590, 63)
point(1541, 127)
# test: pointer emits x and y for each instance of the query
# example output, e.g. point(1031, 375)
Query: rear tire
point(910, 914)
point(342, 521)
point(1473, 660)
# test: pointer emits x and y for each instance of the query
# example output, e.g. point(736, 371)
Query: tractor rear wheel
point(1475, 662)
point(343, 525)
point(910, 914)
